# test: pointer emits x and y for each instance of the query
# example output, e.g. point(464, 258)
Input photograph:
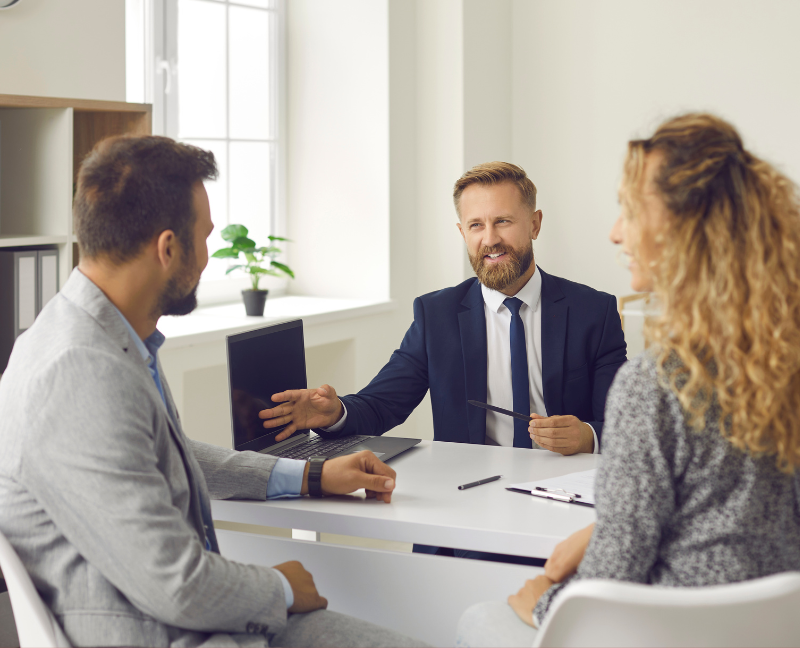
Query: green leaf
point(283, 268)
point(258, 270)
point(232, 268)
point(226, 253)
point(269, 250)
point(277, 238)
point(244, 243)
point(232, 232)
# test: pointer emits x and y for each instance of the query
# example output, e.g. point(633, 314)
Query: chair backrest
point(760, 612)
point(35, 624)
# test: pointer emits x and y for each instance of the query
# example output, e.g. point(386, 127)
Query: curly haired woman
point(698, 483)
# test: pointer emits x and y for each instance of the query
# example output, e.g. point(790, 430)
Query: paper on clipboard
point(579, 483)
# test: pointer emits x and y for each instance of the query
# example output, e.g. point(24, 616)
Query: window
point(212, 69)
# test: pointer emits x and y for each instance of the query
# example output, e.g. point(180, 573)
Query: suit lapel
point(554, 335)
point(472, 325)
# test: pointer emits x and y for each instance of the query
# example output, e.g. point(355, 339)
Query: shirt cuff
point(340, 423)
point(596, 442)
point(288, 594)
point(286, 478)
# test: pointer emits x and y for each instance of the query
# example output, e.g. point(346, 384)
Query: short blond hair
point(492, 173)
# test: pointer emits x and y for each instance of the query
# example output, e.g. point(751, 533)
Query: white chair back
point(761, 612)
point(35, 624)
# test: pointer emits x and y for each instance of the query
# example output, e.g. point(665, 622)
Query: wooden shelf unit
point(43, 141)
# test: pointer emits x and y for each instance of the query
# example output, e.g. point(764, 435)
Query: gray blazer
point(97, 497)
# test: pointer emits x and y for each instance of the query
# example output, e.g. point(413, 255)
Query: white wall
point(64, 48)
point(338, 147)
point(589, 76)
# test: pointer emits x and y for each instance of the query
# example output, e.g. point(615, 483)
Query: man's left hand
point(525, 600)
point(352, 472)
point(566, 435)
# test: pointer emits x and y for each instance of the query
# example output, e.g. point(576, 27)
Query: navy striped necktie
point(519, 373)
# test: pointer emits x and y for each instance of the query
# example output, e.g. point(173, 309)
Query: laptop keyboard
point(317, 446)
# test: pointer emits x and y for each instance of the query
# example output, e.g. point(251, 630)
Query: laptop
point(271, 360)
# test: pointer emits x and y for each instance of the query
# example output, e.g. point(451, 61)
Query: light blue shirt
point(286, 479)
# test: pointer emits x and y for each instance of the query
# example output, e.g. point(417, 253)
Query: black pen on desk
point(478, 483)
point(556, 490)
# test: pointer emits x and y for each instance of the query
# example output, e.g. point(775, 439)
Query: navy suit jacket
point(445, 351)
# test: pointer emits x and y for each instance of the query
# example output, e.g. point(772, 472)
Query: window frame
point(155, 23)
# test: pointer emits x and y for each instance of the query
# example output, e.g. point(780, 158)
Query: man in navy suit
point(515, 337)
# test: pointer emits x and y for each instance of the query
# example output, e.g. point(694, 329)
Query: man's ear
point(461, 230)
point(536, 224)
point(167, 249)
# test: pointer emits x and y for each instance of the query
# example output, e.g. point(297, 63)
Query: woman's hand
point(525, 600)
point(567, 555)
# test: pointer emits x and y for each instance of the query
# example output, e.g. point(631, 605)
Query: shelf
point(87, 105)
point(11, 240)
point(43, 141)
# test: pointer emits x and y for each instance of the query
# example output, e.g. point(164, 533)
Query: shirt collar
point(529, 294)
point(149, 348)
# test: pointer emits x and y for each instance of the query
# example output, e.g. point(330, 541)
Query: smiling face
point(639, 229)
point(498, 228)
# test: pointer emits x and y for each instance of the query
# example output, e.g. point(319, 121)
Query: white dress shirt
point(499, 427)
point(499, 392)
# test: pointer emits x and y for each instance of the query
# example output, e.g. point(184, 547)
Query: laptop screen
point(262, 363)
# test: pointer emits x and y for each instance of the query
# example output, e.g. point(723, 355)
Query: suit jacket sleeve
point(611, 355)
point(96, 464)
point(230, 474)
point(397, 389)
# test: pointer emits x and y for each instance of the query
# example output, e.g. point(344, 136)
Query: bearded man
point(514, 337)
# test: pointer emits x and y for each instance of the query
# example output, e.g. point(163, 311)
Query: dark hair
point(492, 173)
point(132, 188)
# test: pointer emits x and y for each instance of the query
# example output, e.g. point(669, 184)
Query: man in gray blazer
point(103, 496)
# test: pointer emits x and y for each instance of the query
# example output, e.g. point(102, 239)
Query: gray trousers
point(493, 625)
point(331, 629)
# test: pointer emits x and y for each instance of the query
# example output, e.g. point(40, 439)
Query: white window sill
point(213, 323)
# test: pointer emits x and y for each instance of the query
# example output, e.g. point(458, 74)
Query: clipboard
point(574, 488)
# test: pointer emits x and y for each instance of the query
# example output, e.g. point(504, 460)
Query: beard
point(501, 275)
point(177, 299)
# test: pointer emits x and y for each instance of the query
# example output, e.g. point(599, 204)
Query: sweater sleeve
point(634, 489)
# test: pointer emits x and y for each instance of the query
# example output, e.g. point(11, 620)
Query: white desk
point(428, 508)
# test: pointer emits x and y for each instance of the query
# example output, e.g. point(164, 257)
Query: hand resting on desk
point(565, 435)
point(303, 409)
point(353, 472)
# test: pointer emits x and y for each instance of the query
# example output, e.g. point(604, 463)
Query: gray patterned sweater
point(680, 507)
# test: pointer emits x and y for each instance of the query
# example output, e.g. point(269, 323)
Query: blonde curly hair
point(728, 283)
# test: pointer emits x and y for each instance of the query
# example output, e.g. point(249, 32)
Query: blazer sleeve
point(399, 387)
point(94, 462)
point(611, 355)
point(231, 474)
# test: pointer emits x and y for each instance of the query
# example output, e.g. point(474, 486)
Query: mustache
point(495, 249)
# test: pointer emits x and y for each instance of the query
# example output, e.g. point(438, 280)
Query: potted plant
point(259, 261)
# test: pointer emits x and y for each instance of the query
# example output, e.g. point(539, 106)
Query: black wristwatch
point(315, 476)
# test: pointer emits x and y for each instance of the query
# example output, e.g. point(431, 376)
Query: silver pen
point(552, 496)
point(556, 490)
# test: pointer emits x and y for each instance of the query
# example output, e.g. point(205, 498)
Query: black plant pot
point(254, 301)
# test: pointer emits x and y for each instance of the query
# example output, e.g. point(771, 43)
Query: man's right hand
point(306, 596)
point(303, 409)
